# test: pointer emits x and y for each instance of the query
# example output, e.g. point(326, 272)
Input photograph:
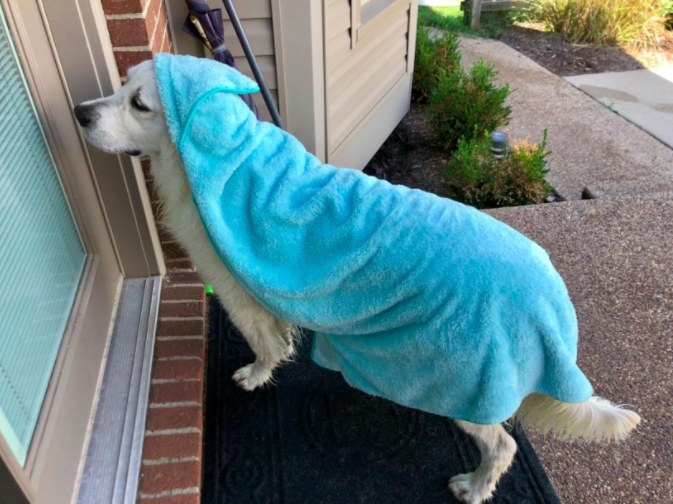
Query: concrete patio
point(615, 255)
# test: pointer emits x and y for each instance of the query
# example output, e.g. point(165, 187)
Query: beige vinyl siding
point(257, 23)
point(341, 83)
point(299, 35)
point(360, 73)
point(337, 18)
point(256, 18)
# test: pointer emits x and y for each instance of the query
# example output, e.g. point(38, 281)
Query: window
point(44, 253)
point(61, 281)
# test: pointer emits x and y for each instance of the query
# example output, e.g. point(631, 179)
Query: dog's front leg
point(271, 339)
point(497, 449)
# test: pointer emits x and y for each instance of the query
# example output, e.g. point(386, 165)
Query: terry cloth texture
point(412, 297)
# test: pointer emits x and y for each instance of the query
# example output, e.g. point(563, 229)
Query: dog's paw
point(464, 488)
point(251, 376)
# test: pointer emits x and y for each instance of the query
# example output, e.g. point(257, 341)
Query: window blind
point(43, 257)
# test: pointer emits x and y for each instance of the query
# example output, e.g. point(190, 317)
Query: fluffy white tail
point(593, 420)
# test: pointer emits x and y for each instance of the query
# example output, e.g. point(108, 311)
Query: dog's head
point(131, 121)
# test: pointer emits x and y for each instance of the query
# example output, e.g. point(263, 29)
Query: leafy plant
point(465, 105)
point(462, 108)
point(668, 14)
point(434, 56)
point(604, 21)
point(478, 178)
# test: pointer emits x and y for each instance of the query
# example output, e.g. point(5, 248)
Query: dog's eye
point(137, 104)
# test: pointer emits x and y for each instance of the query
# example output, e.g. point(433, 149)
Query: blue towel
point(415, 298)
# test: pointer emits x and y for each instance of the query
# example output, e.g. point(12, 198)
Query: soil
point(552, 52)
point(409, 157)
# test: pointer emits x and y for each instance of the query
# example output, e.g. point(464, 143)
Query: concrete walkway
point(591, 146)
point(643, 97)
point(615, 253)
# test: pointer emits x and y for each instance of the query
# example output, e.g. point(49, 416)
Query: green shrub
point(465, 105)
point(434, 56)
point(604, 21)
point(476, 177)
point(668, 14)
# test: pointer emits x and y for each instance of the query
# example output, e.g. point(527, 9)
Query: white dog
point(132, 121)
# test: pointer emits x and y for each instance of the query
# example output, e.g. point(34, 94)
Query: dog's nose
point(84, 114)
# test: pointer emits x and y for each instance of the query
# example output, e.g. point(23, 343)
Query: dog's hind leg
point(497, 449)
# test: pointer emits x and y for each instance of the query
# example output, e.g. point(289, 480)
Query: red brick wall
point(138, 29)
point(171, 468)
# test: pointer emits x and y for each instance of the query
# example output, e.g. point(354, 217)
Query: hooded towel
point(412, 297)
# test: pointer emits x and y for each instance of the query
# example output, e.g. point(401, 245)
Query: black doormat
point(310, 438)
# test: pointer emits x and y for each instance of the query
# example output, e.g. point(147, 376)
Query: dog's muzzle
point(85, 114)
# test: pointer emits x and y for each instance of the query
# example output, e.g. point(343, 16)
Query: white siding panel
point(380, 70)
point(257, 22)
point(259, 33)
point(337, 19)
point(358, 78)
point(338, 50)
point(246, 9)
point(389, 40)
point(348, 111)
point(267, 64)
point(255, 16)
point(365, 139)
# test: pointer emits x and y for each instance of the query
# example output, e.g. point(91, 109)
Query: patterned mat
point(310, 438)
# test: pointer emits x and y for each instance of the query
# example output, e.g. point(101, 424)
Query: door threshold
point(112, 467)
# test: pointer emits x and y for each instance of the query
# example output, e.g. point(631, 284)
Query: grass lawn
point(446, 18)
point(451, 19)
